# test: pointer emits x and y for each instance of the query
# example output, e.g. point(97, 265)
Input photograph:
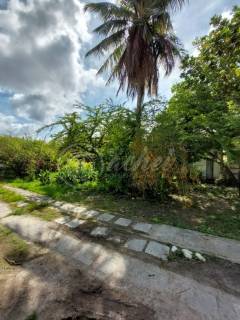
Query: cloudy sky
point(43, 70)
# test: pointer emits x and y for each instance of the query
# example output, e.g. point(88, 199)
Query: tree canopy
point(140, 37)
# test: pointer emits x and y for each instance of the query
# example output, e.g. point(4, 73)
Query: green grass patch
point(12, 248)
point(33, 316)
point(209, 209)
point(9, 196)
point(58, 192)
point(38, 210)
point(224, 224)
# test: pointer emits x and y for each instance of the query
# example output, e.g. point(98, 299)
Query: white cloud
point(227, 15)
point(42, 63)
point(41, 59)
point(12, 126)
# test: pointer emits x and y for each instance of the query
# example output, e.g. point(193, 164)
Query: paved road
point(4, 209)
point(172, 296)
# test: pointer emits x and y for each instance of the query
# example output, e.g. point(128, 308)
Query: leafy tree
point(140, 36)
point(101, 135)
point(204, 110)
point(217, 66)
point(84, 132)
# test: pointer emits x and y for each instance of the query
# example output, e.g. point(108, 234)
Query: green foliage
point(9, 196)
point(100, 148)
point(25, 157)
point(44, 177)
point(217, 65)
point(86, 172)
point(98, 135)
point(75, 172)
point(203, 114)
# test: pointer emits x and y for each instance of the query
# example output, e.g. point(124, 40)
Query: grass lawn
point(209, 209)
point(13, 249)
point(8, 196)
point(39, 210)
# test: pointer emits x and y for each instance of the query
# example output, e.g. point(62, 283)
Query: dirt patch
point(217, 273)
point(53, 289)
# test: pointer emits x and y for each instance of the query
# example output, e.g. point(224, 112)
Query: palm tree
point(140, 37)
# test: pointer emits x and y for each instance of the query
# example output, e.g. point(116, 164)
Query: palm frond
point(112, 59)
point(140, 35)
point(108, 10)
point(161, 21)
point(167, 48)
point(165, 4)
point(110, 26)
point(107, 43)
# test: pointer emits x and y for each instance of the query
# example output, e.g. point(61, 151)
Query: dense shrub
point(25, 157)
point(44, 177)
point(150, 161)
point(75, 172)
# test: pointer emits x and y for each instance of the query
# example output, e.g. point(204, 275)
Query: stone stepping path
point(152, 248)
point(74, 223)
point(157, 250)
point(172, 296)
point(163, 234)
point(100, 232)
point(123, 222)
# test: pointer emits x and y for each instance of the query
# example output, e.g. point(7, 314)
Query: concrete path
point(187, 239)
point(172, 296)
point(4, 209)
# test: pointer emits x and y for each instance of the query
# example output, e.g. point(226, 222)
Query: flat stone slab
point(100, 232)
point(5, 210)
point(123, 222)
point(74, 223)
point(135, 244)
point(62, 220)
point(106, 217)
point(91, 214)
point(143, 227)
point(169, 294)
point(22, 204)
point(57, 204)
point(157, 250)
point(196, 241)
point(79, 210)
point(67, 207)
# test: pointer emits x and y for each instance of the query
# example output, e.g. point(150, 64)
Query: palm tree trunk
point(139, 109)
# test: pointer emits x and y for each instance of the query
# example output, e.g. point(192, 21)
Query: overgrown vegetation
point(104, 150)
point(98, 148)
point(25, 157)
